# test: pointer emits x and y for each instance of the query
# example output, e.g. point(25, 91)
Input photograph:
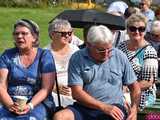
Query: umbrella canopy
point(81, 18)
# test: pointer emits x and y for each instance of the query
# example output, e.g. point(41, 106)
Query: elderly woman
point(144, 5)
point(154, 37)
point(26, 71)
point(60, 32)
point(142, 56)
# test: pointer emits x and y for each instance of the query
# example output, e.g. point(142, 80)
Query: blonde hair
point(136, 17)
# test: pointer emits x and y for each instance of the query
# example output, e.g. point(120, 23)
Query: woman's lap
point(38, 113)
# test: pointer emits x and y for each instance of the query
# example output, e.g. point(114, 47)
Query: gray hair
point(131, 10)
point(99, 34)
point(155, 29)
point(136, 17)
point(149, 2)
point(58, 25)
point(32, 26)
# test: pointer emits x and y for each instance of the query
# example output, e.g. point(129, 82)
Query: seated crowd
point(111, 74)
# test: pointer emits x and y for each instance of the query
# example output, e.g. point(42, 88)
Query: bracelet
point(31, 106)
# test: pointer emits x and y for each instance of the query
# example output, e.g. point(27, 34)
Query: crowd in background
point(82, 68)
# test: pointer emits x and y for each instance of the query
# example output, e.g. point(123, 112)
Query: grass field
point(42, 16)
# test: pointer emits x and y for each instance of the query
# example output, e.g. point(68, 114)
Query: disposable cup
point(21, 100)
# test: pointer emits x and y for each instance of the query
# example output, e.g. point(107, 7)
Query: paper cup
point(21, 100)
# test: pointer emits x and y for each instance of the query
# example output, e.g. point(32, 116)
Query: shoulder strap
point(58, 94)
point(139, 52)
point(118, 38)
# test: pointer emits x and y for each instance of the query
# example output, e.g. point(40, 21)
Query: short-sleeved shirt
point(103, 81)
point(23, 81)
point(26, 81)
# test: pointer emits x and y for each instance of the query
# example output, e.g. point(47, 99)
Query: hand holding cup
point(21, 100)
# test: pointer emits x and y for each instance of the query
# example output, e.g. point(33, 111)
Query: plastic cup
point(21, 100)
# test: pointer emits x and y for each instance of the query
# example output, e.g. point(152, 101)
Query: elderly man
point(96, 76)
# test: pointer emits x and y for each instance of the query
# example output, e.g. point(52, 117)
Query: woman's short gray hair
point(59, 25)
point(32, 26)
point(99, 34)
point(136, 17)
point(155, 29)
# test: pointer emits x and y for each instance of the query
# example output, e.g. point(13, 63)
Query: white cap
point(117, 6)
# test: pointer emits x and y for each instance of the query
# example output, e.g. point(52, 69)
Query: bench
point(153, 108)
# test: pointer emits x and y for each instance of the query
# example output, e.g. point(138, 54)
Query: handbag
point(151, 98)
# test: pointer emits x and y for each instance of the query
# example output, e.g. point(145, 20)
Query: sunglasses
point(64, 34)
point(134, 29)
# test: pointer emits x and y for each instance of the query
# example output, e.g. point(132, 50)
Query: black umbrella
point(81, 18)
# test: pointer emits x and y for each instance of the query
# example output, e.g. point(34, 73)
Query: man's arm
point(85, 99)
point(135, 92)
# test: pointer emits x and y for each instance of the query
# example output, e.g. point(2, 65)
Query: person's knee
point(65, 114)
point(58, 116)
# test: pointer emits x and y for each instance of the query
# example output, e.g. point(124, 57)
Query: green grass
point(41, 16)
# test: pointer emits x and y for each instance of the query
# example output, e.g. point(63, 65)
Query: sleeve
point(74, 71)
point(129, 75)
point(4, 61)
point(47, 62)
point(150, 64)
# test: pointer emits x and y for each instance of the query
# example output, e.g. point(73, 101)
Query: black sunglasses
point(64, 34)
point(134, 29)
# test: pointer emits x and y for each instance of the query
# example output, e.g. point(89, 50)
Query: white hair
point(155, 27)
point(99, 34)
point(58, 25)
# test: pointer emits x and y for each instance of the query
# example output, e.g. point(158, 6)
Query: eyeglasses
point(101, 50)
point(134, 29)
point(64, 34)
point(22, 33)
